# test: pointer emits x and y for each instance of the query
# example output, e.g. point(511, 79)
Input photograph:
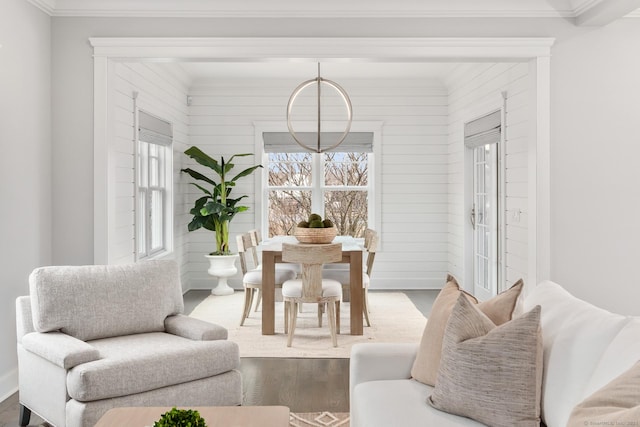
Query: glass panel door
point(484, 221)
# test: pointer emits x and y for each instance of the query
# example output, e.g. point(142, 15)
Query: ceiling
point(581, 10)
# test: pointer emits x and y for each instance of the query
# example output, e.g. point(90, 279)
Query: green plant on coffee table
point(315, 221)
point(180, 418)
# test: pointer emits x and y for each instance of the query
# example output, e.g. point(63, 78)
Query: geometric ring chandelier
point(319, 81)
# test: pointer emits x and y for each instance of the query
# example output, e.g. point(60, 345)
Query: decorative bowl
point(315, 235)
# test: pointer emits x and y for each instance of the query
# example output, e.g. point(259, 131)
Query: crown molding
point(328, 9)
point(47, 6)
point(323, 48)
point(324, 9)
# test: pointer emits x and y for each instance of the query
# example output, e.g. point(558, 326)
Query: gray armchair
point(91, 338)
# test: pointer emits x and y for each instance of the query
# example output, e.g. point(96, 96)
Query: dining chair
point(311, 287)
point(252, 278)
point(256, 239)
point(344, 277)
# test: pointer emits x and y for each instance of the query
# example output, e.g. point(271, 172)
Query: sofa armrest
point(380, 361)
point(60, 349)
point(194, 329)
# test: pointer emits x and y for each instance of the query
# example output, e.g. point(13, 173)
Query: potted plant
point(180, 418)
point(215, 210)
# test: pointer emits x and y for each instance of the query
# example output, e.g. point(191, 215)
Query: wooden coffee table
point(215, 416)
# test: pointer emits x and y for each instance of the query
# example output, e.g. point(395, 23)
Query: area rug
point(394, 318)
point(319, 419)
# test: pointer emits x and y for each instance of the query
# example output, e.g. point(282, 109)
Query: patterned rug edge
point(319, 419)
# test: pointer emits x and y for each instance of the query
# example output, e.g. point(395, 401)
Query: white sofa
point(585, 347)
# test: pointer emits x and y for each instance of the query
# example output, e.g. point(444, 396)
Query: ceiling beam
point(606, 12)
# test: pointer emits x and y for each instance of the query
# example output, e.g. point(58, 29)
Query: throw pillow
point(617, 403)
point(489, 373)
point(499, 309)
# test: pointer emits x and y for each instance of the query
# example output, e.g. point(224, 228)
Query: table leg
point(357, 294)
point(268, 292)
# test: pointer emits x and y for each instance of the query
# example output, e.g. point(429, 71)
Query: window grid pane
point(290, 169)
point(348, 210)
point(346, 169)
point(286, 209)
point(156, 218)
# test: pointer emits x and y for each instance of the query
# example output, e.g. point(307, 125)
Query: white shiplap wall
point(470, 86)
point(413, 164)
point(162, 91)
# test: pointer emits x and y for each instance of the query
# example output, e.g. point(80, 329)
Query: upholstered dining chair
point(252, 277)
point(311, 287)
point(256, 239)
point(343, 276)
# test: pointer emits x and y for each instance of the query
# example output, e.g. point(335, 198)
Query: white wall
point(413, 165)
point(474, 86)
point(25, 165)
point(72, 77)
point(595, 173)
point(162, 91)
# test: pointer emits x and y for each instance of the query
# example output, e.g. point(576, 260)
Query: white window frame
point(165, 168)
point(318, 186)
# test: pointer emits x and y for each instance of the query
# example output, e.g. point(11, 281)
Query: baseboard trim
point(383, 284)
point(8, 384)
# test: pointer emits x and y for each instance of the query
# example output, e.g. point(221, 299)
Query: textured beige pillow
point(489, 373)
point(617, 403)
point(499, 309)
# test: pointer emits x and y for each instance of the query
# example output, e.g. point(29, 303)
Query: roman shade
point(483, 130)
point(154, 130)
point(283, 142)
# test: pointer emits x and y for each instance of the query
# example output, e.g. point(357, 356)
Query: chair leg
point(320, 310)
point(332, 322)
point(293, 310)
point(25, 415)
point(286, 316)
point(248, 296)
point(338, 316)
point(259, 299)
point(365, 306)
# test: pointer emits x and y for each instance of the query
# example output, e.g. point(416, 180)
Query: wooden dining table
point(272, 254)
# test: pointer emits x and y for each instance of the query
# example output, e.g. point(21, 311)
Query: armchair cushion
point(93, 302)
point(138, 363)
point(60, 349)
point(194, 329)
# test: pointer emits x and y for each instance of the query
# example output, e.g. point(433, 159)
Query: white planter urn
point(222, 267)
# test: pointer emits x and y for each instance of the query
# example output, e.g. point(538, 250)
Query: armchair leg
point(25, 415)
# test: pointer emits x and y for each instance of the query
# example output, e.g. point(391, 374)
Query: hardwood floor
point(304, 385)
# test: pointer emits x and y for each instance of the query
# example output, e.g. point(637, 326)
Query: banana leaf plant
point(215, 210)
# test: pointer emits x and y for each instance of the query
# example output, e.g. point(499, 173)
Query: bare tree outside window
point(345, 191)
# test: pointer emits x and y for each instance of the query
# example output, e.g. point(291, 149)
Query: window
point(337, 185)
point(153, 187)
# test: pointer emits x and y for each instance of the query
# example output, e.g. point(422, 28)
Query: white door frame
point(535, 51)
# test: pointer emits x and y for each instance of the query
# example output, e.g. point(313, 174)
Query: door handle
point(472, 217)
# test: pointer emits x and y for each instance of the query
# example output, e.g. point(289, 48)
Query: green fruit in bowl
point(314, 217)
point(303, 224)
point(316, 224)
point(327, 223)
